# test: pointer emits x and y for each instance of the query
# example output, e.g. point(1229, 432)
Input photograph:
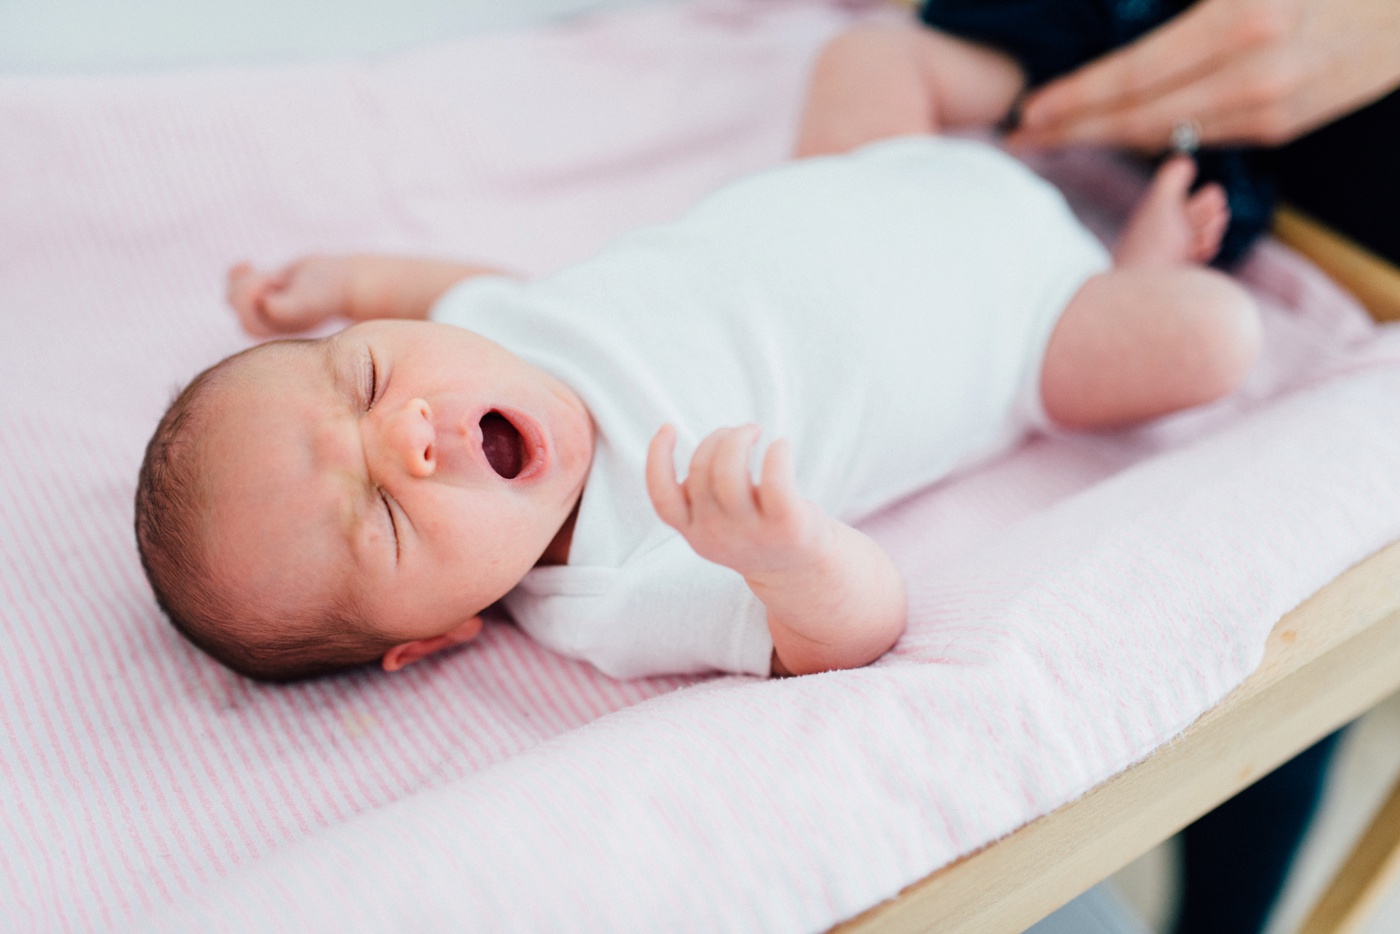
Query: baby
point(891, 315)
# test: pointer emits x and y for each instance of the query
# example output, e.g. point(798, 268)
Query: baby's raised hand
point(756, 529)
point(294, 298)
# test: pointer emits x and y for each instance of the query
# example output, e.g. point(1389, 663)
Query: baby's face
point(413, 470)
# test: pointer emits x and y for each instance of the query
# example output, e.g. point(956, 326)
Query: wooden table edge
point(1329, 660)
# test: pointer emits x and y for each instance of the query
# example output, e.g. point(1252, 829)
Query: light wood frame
point(1325, 663)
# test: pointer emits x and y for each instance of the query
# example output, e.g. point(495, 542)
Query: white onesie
point(886, 311)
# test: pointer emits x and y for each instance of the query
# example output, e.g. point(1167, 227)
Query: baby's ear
point(406, 653)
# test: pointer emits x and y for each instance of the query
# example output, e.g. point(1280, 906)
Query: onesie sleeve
point(666, 611)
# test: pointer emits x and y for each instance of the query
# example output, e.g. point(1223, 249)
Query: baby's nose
point(411, 438)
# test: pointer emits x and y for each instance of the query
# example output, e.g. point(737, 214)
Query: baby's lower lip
point(534, 451)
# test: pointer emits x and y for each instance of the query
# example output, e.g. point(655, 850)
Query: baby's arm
point(834, 598)
point(874, 82)
point(360, 287)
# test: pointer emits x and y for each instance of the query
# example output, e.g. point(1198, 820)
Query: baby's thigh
point(1135, 343)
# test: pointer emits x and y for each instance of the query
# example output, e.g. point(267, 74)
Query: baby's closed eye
point(371, 381)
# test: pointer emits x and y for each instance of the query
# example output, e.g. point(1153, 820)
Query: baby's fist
point(727, 518)
point(295, 298)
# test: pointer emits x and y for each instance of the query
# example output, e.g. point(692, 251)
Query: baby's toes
point(1208, 213)
point(1208, 243)
point(1174, 178)
point(1206, 204)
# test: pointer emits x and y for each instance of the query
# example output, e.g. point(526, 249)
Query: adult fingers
point(1195, 43)
point(668, 497)
point(1247, 100)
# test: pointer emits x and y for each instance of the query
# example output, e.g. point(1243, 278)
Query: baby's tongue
point(502, 445)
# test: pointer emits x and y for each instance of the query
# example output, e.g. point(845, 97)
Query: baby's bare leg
point(875, 82)
point(1159, 332)
point(1140, 341)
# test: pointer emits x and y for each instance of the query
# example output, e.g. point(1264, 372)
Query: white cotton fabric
point(886, 312)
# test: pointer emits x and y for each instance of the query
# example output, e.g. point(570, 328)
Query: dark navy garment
point(1236, 858)
point(1050, 37)
point(1053, 37)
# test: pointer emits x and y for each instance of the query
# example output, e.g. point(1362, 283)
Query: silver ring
point(1186, 137)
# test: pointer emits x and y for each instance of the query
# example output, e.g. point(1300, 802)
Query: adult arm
point(1245, 71)
point(361, 287)
point(834, 598)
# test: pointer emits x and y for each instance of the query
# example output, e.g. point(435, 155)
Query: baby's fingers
point(778, 499)
point(730, 484)
point(667, 496)
point(246, 287)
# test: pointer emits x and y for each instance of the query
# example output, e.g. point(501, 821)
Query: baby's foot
point(1171, 226)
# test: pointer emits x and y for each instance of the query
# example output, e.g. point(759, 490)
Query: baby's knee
point(1224, 330)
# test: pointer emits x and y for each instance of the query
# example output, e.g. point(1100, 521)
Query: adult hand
point(1244, 71)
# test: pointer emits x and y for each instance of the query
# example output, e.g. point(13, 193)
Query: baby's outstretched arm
point(360, 287)
point(834, 598)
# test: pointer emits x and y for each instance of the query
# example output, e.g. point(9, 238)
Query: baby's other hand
point(752, 528)
point(295, 298)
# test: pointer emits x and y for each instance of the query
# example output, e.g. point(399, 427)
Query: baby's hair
point(171, 517)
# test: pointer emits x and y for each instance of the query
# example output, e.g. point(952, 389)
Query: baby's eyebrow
point(334, 362)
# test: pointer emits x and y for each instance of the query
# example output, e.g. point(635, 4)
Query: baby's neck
point(557, 552)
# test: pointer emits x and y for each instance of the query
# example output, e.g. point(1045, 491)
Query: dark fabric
point(1345, 175)
point(1053, 37)
point(1237, 857)
point(1050, 37)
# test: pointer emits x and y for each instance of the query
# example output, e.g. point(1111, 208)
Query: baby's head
point(309, 505)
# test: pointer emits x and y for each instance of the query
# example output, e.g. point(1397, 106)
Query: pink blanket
point(1074, 605)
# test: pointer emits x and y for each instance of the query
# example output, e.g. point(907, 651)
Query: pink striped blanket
point(1075, 604)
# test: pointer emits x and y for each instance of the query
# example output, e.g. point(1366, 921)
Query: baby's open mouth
point(502, 445)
